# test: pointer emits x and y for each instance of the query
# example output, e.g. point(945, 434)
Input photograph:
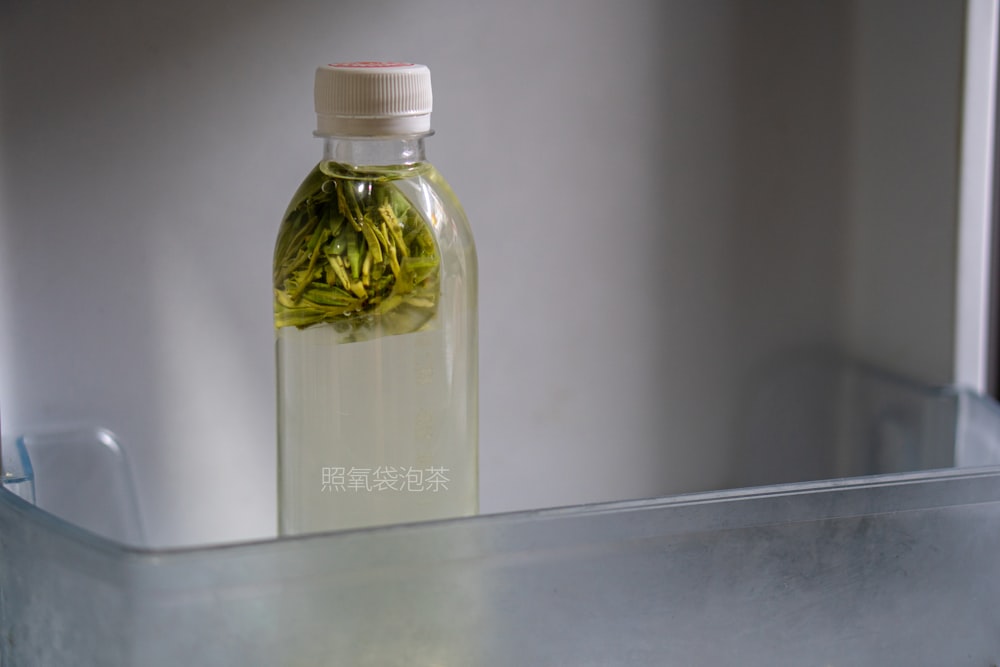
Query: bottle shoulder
point(421, 182)
point(377, 173)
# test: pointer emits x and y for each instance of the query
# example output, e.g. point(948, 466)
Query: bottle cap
point(370, 99)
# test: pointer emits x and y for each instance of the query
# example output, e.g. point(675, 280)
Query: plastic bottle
point(375, 317)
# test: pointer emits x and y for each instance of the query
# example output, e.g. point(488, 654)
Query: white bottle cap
point(370, 99)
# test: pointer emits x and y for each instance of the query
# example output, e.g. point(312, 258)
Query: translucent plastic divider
point(16, 474)
point(82, 475)
point(814, 416)
point(977, 431)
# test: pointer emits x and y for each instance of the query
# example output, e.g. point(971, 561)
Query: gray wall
point(905, 115)
point(668, 197)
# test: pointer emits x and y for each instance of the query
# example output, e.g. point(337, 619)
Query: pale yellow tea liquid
point(368, 436)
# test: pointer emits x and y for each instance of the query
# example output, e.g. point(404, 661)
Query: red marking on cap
point(371, 63)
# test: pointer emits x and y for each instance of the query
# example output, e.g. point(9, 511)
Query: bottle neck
point(375, 151)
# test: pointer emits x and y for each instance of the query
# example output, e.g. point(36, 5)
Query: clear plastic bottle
point(375, 318)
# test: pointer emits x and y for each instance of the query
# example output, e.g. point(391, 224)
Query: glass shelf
point(898, 569)
point(891, 569)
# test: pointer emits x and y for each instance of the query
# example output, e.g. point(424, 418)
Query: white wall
point(661, 195)
point(976, 312)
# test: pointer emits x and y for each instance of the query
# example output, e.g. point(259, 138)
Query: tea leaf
point(337, 265)
point(316, 241)
point(381, 270)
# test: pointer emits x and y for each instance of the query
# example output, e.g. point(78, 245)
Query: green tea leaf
point(353, 252)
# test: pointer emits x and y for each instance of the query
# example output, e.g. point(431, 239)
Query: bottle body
point(376, 344)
